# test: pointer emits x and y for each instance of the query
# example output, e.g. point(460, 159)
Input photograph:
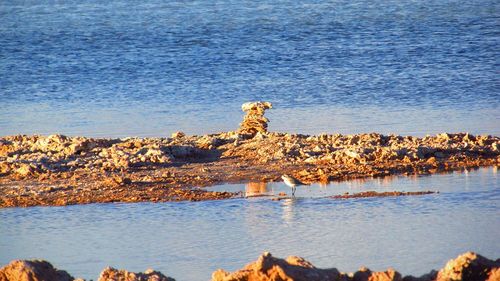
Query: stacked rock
point(254, 120)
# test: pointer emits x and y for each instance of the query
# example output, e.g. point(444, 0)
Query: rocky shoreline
point(468, 266)
point(61, 170)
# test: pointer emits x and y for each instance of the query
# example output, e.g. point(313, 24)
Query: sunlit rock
point(254, 120)
point(469, 266)
point(365, 274)
point(32, 270)
point(112, 274)
point(270, 268)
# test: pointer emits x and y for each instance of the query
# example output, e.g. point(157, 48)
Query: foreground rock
point(39, 270)
point(470, 266)
point(268, 267)
point(62, 170)
point(112, 274)
point(34, 270)
point(467, 267)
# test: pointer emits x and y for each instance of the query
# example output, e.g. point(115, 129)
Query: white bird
point(291, 182)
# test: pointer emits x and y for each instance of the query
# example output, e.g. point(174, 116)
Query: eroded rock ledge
point(62, 170)
point(468, 266)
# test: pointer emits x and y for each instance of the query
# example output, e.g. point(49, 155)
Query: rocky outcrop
point(112, 274)
point(466, 267)
point(254, 120)
point(270, 268)
point(63, 170)
point(365, 274)
point(330, 157)
point(40, 270)
point(470, 266)
point(33, 270)
point(31, 156)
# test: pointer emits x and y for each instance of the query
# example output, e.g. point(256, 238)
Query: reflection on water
point(288, 209)
point(412, 182)
point(189, 240)
point(253, 189)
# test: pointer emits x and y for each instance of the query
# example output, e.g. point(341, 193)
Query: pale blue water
point(148, 68)
point(190, 240)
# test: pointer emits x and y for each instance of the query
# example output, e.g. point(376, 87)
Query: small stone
point(178, 135)
point(431, 160)
point(122, 180)
point(25, 170)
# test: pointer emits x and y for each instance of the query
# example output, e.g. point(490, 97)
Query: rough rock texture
point(270, 268)
point(365, 274)
point(62, 170)
point(112, 274)
point(254, 120)
point(33, 270)
point(470, 266)
point(467, 267)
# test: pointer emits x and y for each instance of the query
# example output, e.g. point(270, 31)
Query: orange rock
point(33, 270)
point(112, 274)
point(469, 266)
point(494, 274)
point(269, 268)
point(364, 274)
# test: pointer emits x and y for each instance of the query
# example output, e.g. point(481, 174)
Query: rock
point(79, 146)
point(209, 142)
point(494, 274)
point(178, 135)
point(26, 170)
point(364, 274)
point(254, 120)
point(156, 155)
point(495, 146)
point(52, 143)
point(352, 154)
point(257, 106)
point(4, 168)
point(443, 137)
point(469, 266)
point(122, 180)
point(270, 268)
point(424, 152)
point(32, 270)
point(183, 151)
point(112, 274)
point(431, 160)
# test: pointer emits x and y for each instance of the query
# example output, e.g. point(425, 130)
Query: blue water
point(190, 240)
point(148, 68)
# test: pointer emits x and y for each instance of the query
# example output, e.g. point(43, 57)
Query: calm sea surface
point(148, 68)
point(190, 240)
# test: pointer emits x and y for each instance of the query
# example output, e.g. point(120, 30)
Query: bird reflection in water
point(288, 206)
point(255, 189)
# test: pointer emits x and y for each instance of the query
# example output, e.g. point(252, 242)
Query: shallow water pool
point(189, 240)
